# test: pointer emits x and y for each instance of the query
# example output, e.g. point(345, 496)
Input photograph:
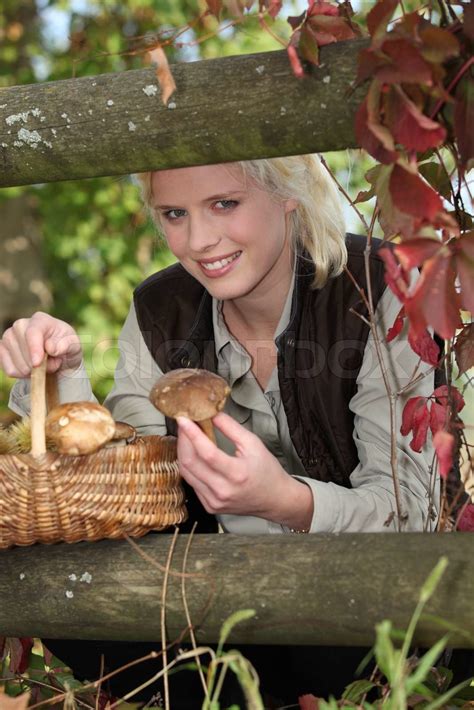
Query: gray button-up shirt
point(368, 505)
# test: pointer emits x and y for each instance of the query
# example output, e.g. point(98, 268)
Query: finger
point(15, 362)
point(243, 439)
point(34, 340)
point(204, 448)
point(7, 364)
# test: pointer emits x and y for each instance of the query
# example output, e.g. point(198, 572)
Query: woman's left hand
point(252, 482)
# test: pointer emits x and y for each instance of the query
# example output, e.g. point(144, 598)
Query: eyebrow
point(211, 198)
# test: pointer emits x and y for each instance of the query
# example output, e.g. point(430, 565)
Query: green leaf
point(228, 625)
point(451, 693)
point(356, 690)
point(433, 580)
point(384, 650)
point(425, 664)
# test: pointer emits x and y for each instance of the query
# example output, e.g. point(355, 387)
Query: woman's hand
point(250, 483)
point(24, 345)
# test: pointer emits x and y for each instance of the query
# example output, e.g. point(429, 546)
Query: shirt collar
point(222, 336)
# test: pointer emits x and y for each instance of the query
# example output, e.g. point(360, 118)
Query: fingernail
point(183, 423)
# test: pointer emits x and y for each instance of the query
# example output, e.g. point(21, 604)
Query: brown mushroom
point(196, 394)
point(124, 434)
point(79, 427)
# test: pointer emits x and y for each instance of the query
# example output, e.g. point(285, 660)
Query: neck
point(259, 311)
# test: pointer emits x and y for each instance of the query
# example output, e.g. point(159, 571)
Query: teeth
point(221, 263)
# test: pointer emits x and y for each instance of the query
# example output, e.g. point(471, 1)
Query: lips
point(219, 266)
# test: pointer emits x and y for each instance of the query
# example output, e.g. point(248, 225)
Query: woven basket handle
point(44, 397)
point(38, 409)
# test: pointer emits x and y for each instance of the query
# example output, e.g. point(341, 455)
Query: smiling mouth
point(219, 263)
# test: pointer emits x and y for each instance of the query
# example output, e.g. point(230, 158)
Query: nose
point(202, 236)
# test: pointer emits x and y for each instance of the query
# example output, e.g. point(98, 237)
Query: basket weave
point(120, 490)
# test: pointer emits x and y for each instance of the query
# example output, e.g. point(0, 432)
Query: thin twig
point(101, 673)
point(200, 650)
point(346, 195)
point(163, 617)
point(186, 611)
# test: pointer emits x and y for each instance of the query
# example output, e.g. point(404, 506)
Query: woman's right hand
point(24, 345)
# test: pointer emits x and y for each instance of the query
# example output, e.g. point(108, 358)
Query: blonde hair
point(317, 224)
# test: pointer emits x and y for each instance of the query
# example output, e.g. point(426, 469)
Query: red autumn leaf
point(409, 125)
point(308, 702)
point(330, 29)
point(464, 120)
point(434, 299)
point(405, 65)
point(396, 277)
point(424, 345)
point(464, 348)
point(372, 135)
point(20, 650)
point(438, 44)
point(295, 61)
point(413, 195)
point(214, 7)
point(416, 418)
point(163, 73)
point(295, 20)
point(438, 417)
point(415, 252)
point(319, 7)
point(465, 521)
point(392, 220)
point(443, 443)
point(273, 7)
point(464, 247)
point(367, 62)
point(379, 17)
point(308, 45)
point(397, 326)
point(442, 396)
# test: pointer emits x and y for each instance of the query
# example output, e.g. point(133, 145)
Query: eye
point(226, 204)
point(173, 215)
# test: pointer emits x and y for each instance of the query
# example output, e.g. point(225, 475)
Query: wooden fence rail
point(236, 108)
point(318, 589)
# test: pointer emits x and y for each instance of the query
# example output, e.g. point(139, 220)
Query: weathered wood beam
point(318, 589)
point(235, 108)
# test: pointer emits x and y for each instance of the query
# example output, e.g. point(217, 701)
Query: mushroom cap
point(79, 427)
point(187, 392)
point(124, 431)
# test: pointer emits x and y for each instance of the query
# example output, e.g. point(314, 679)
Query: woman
point(259, 296)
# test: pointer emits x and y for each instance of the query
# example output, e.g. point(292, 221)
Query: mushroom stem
point(208, 429)
point(38, 410)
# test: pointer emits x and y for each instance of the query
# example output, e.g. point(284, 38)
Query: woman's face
point(225, 230)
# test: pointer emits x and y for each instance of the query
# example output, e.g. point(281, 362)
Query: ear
point(290, 205)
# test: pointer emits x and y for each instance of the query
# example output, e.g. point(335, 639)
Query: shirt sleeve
point(370, 505)
point(73, 387)
point(135, 375)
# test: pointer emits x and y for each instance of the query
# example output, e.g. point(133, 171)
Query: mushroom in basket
point(85, 490)
point(196, 394)
point(79, 428)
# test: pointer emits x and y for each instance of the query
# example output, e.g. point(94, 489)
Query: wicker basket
point(120, 490)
